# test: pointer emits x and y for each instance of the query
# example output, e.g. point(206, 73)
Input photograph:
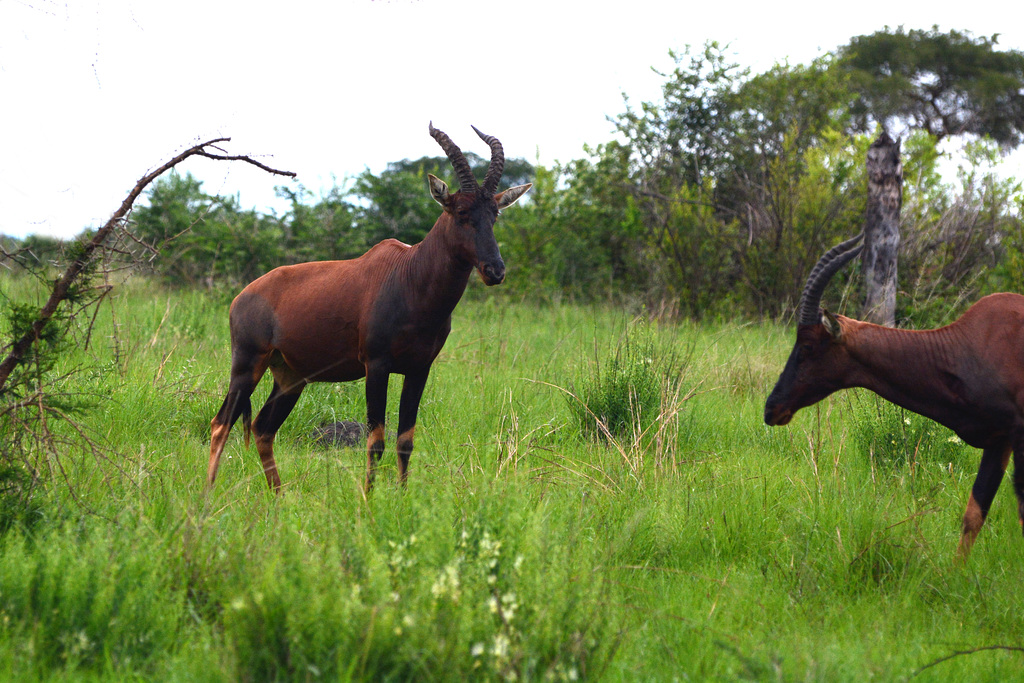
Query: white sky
point(94, 93)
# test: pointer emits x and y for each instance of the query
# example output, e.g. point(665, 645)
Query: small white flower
point(501, 646)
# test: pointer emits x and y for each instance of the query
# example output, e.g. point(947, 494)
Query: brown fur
point(968, 376)
point(387, 311)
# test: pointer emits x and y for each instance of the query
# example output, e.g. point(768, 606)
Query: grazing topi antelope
point(388, 311)
point(968, 376)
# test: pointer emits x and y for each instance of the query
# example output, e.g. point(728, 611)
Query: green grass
point(699, 545)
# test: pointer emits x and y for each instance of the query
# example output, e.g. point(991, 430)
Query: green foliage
point(38, 401)
point(398, 205)
point(958, 239)
point(943, 83)
point(322, 230)
point(739, 180)
point(85, 605)
point(816, 200)
point(623, 395)
point(594, 231)
point(42, 250)
point(754, 556)
point(895, 438)
point(204, 239)
point(18, 508)
point(715, 199)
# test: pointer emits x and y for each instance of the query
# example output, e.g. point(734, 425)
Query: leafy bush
point(624, 394)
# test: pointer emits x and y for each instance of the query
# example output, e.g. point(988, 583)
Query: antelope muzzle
point(776, 415)
point(492, 273)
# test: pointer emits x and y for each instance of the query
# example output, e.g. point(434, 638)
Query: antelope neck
point(907, 367)
point(434, 268)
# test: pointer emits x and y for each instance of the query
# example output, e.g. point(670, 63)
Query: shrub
point(623, 395)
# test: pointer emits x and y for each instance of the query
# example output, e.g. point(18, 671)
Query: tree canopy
point(946, 84)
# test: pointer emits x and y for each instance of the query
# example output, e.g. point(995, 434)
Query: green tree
point(324, 230)
point(732, 189)
point(397, 203)
point(596, 232)
point(206, 239)
point(944, 83)
point(175, 203)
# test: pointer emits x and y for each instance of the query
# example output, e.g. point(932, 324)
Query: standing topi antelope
point(388, 311)
point(968, 376)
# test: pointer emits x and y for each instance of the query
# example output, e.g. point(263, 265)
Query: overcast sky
point(97, 92)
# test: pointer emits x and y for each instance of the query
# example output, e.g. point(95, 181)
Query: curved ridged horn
point(827, 266)
point(467, 183)
point(497, 166)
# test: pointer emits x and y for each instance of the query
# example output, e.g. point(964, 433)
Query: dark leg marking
point(286, 392)
point(376, 406)
point(412, 393)
point(246, 371)
point(990, 475)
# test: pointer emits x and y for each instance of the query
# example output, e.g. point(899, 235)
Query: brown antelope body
point(968, 376)
point(388, 311)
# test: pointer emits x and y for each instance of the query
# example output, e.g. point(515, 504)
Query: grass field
point(698, 544)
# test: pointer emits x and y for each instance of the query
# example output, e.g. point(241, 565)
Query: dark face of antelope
point(474, 228)
point(817, 363)
point(475, 207)
point(811, 374)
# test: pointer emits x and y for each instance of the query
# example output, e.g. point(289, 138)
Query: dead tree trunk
point(882, 230)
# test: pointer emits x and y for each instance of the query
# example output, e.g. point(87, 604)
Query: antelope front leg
point(376, 405)
point(412, 392)
point(990, 475)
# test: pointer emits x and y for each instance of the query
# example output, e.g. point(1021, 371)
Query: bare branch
point(958, 653)
point(62, 286)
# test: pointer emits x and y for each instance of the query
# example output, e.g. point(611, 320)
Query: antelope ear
point(438, 190)
point(511, 195)
point(831, 325)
